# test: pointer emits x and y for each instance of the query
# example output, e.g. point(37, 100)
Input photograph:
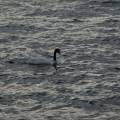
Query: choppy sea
point(86, 85)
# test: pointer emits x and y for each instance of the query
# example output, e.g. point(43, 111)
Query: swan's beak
point(59, 52)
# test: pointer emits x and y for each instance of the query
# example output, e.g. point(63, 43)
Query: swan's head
point(57, 50)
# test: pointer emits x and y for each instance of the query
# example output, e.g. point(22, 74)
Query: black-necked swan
point(38, 59)
point(42, 60)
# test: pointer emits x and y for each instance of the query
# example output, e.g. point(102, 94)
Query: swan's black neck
point(57, 50)
point(54, 57)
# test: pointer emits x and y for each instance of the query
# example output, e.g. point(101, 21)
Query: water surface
point(86, 85)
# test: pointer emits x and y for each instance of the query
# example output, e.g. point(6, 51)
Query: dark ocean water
point(86, 85)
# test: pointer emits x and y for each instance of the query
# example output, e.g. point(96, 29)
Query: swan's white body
point(36, 59)
point(39, 60)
